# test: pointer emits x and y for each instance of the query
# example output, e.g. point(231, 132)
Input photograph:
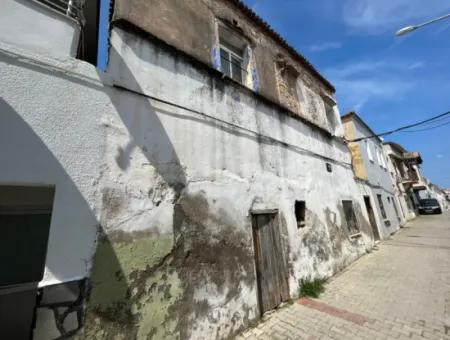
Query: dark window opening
point(329, 111)
point(300, 213)
point(86, 14)
point(25, 214)
point(380, 203)
point(350, 217)
point(395, 208)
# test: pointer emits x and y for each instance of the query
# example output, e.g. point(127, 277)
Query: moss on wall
point(129, 297)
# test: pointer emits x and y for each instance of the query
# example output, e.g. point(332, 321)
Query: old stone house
point(371, 170)
point(401, 166)
point(181, 193)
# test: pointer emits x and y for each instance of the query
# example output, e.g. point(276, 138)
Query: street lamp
point(408, 29)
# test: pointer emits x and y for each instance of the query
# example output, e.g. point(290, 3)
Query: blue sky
point(389, 81)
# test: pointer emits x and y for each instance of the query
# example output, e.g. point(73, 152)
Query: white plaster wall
point(62, 124)
point(36, 28)
point(406, 212)
point(51, 134)
point(225, 151)
point(379, 180)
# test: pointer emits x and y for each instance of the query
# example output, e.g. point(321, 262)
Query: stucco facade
point(371, 170)
point(36, 28)
point(401, 167)
point(158, 166)
point(189, 156)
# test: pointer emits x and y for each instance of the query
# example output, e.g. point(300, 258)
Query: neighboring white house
point(371, 170)
point(402, 167)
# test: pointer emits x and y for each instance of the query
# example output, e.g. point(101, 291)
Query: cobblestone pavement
point(399, 291)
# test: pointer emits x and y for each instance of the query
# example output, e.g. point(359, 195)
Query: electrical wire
point(429, 128)
point(260, 137)
point(400, 129)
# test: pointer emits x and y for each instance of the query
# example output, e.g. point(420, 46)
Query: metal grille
point(70, 8)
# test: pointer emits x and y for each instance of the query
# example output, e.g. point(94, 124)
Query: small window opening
point(380, 203)
point(300, 213)
point(330, 114)
point(232, 54)
point(350, 217)
point(287, 81)
point(369, 152)
point(395, 208)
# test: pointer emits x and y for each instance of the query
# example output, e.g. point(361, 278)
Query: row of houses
point(186, 189)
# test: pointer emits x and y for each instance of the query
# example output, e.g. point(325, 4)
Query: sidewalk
point(400, 291)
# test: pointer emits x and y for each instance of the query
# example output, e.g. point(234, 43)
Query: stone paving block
point(400, 291)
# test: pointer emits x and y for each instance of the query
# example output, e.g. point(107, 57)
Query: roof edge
point(279, 39)
point(353, 114)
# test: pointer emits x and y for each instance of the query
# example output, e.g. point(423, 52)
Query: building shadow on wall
point(27, 154)
point(193, 256)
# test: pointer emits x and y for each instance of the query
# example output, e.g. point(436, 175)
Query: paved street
point(399, 291)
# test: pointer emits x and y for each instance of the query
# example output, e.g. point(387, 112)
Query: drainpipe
point(103, 35)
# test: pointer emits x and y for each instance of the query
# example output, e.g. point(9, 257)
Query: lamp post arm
point(433, 21)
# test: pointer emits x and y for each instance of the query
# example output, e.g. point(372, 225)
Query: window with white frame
point(232, 54)
point(383, 161)
point(378, 156)
point(369, 151)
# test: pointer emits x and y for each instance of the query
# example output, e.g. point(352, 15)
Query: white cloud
point(417, 65)
point(360, 82)
point(329, 45)
point(379, 16)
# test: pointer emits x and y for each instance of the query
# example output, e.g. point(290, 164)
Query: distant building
point(403, 167)
point(371, 171)
point(434, 191)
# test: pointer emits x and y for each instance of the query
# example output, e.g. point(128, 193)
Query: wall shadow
point(27, 160)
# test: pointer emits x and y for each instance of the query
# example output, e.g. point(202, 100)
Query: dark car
point(429, 206)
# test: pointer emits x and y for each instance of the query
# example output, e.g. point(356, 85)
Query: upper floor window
point(232, 62)
point(369, 151)
point(287, 77)
point(330, 105)
point(381, 205)
point(233, 57)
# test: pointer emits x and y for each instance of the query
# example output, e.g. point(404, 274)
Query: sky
point(389, 81)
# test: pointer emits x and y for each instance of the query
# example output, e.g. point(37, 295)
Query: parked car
point(429, 206)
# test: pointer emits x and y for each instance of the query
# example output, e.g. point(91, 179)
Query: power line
point(432, 119)
point(256, 134)
point(445, 118)
point(429, 128)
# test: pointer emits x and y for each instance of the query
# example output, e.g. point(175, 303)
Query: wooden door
point(270, 261)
